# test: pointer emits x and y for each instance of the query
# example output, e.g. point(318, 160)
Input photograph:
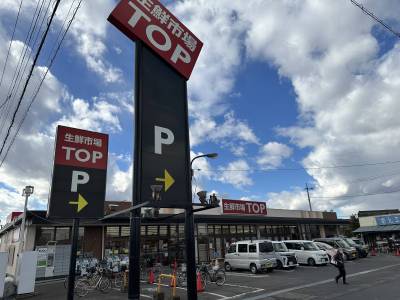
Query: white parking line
point(243, 286)
point(262, 296)
point(243, 294)
point(146, 296)
point(246, 275)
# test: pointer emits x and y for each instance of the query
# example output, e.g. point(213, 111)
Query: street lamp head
point(28, 190)
point(212, 155)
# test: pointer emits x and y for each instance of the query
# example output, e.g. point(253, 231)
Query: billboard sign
point(163, 130)
point(239, 207)
point(152, 23)
point(388, 220)
point(79, 175)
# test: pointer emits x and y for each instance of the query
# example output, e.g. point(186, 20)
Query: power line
point(364, 179)
point(9, 47)
point(30, 74)
point(357, 195)
point(302, 168)
point(51, 61)
point(18, 68)
point(371, 14)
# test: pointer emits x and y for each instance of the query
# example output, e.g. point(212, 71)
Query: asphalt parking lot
point(369, 278)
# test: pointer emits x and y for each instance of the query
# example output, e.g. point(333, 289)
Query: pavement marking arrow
point(81, 203)
point(168, 180)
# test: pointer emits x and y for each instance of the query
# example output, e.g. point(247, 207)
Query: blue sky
point(278, 85)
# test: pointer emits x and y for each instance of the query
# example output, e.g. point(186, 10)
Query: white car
point(327, 248)
point(307, 252)
point(251, 255)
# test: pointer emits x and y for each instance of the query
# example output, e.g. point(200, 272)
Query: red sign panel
point(239, 207)
point(150, 22)
point(81, 148)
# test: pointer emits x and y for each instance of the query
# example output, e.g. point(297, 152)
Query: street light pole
point(190, 242)
point(27, 191)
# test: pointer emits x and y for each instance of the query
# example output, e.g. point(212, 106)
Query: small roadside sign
point(79, 175)
point(152, 23)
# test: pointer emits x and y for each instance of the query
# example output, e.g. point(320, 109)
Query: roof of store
point(387, 228)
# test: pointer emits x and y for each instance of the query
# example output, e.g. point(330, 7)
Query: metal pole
point(72, 261)
point(190, 255)
point(134, 240)
point(308, 195)
point(189, 225)
point(22, 231)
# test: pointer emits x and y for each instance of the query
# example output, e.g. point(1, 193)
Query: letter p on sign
point(78, 177)
point(159, 140)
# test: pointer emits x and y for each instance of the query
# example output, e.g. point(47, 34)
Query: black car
point(350, 252)
point(361, 251)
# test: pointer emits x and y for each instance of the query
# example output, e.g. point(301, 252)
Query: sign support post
point(134, 240)
point(72, 261)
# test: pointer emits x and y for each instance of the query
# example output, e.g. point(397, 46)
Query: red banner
point(81, 148)
point(239, 207)
point(150, 22)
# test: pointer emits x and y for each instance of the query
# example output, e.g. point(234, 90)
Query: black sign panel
point(162, 133)
point(86, 202)
point(79, 176)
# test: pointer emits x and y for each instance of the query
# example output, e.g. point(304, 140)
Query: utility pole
point(308, 195)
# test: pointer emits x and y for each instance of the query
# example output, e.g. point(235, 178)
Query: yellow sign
point(168, 180)
point(81, 203)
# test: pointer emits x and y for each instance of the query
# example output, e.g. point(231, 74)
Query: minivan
point(284, 258)
point(257, 255)
point(349, 252)
point(307, 252)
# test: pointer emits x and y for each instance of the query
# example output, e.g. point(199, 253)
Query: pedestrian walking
point(339, 263)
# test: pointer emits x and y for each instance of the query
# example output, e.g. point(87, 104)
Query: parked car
point(257, 255)
point(327, 248)
point(284, 258)
point(307, 252)
point(349, 251)
point(361, 251)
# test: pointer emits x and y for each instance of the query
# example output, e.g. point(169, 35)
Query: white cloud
point(272, 154)
point(99, 116)
point(236, 173)
point(231, 133)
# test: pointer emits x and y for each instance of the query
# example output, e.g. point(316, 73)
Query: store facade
point(163, 239)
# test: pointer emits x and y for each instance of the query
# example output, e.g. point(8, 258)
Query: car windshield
point(325, 246)
point(358, 242)
point(342, 243)
point(280, 247)
point(266, 247)
point(350, 242)
point(309, 246)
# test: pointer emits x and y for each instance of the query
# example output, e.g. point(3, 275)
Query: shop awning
point(387, 228)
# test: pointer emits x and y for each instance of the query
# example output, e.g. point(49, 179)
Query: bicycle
point(98, 281)
point(211, 275)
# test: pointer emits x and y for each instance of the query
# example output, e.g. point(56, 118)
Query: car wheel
point(279, 264)
point(269, 270)
point(346, 257)
point(311, 262)
point(228, 267)
point(253, 268)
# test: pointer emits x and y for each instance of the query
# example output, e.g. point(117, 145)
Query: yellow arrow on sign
point(168, 180)
point(81, 203)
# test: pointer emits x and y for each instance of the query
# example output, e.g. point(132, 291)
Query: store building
point(162, 239)
point(379, 226)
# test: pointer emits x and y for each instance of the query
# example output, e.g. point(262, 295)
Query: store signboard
point(388, 220)
point(240, 207)
point(152, 23)
point(79, 176)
